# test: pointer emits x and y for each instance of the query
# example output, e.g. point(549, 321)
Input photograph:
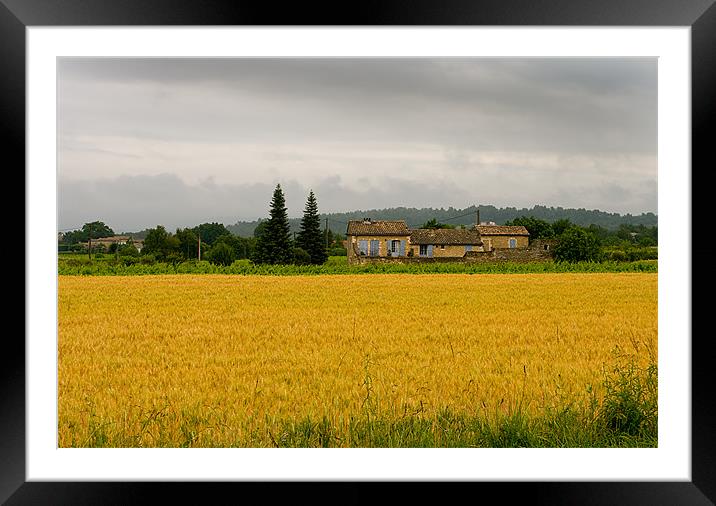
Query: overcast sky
point(179, 142)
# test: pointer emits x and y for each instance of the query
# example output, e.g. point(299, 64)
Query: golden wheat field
point(208, 360)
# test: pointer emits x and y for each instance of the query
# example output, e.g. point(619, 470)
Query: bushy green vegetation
point(81, 266)
point(433, 223)
point(627, 243)
point(631, 254)
point(95, 229)
point(221, 254)
point(575, 243)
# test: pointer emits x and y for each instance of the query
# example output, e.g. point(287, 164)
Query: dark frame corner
point(700, 15)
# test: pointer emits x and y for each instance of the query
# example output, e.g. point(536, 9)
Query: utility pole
point(477, 212)
point(326, 232)
point(89, 243)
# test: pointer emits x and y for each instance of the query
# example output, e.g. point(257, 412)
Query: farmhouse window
point(363, 247)
point(513, 243)
point(394, 246)
point(442, 246)
point(423, 250)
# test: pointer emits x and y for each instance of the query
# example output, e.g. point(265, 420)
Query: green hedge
point(339, 265)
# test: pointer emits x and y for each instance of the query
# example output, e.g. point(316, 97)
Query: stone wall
point(446, 250)
point(522, 255)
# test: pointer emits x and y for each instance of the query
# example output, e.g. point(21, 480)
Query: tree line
point(575, 243)
point(414, 217)
point(271, 243)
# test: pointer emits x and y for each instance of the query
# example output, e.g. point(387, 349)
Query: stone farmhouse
point(378, 240)
point(504, 236)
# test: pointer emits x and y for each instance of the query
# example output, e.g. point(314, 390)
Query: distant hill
point(337, 222)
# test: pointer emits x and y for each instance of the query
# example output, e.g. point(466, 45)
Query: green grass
point(625, 417)
point(336, 265)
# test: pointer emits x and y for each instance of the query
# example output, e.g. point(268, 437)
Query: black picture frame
point(700, 15)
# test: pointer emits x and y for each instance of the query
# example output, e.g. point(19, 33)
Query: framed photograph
point(582, 108)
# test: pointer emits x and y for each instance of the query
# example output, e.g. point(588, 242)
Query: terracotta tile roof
point(502, 230)
point(377, 227)
point(445, 236)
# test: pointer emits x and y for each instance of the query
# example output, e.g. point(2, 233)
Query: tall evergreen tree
point(310, 237)
point(274, 246)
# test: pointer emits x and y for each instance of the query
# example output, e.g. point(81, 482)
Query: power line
point(461, 216)
point(472, 213)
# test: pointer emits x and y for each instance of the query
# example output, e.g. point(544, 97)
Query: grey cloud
point(593, 105)
point(182, 141)
point(635, 199)
point(134, 203)
point(449, 78)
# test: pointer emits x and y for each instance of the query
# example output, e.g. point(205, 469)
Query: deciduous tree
point(221, 254)
point(577, 245)
point(538, 229)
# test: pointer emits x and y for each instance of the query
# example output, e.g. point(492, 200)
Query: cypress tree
point(310, 237)
point(273, 246)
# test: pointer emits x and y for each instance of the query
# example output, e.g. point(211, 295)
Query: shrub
point(617, 256)
point(301, 256)
point(221, 254)
point(577, 245)
point(128, 250)
point(174, 258)
point(642, 254)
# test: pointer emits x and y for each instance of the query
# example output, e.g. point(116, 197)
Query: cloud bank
point(146, 141)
